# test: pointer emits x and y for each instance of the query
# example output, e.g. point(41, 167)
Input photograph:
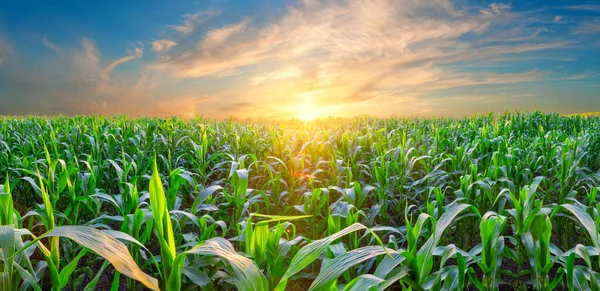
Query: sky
point(298, 58)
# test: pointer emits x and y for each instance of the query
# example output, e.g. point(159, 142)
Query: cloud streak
point(5, 48)
point(189, 22)
point(137, 53)
point(50, 45)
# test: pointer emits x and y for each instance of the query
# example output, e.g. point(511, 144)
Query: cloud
point(136, 53)
point(581, 76)
point(191, 20)
point(184, 30)
point(5, 48)
point(216, 38)
point(588, 7)
point(500, 7)
point(327, 30)
point(50, 45)
point(588, 27)
point(282, 74)
point(163, 45)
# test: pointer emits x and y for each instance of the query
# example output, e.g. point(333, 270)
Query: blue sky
point(303, 58)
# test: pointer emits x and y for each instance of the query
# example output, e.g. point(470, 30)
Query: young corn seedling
point(236, 199)
point(246, 276)
point(334, 268)
point(133, 219)
point(315, 204)
point(102, 243)
point(267, 245)
point(419, 260)
point(15, 273)
point(583, 277)
point(492, 250)
point(537, 244)
point(526, 209)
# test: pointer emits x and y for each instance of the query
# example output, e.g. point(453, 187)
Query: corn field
point(498, 202)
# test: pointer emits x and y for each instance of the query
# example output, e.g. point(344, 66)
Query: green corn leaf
point(363, 282)
point(310, 252)
point(275, 218)
point(247, 276)
point(91, 286)
point(7, 250)
point(333, 268)
point(65, 273)
point(580, 213)
point(388, 263)
point(105, 246)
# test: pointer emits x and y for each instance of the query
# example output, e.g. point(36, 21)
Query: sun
point(305, 109)
point(307, 116)
point(305, 112)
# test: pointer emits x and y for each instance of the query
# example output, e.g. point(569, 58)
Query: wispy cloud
point(588, 27)
point(5, 48)
point(587, 7)
point(189, 21)
point(557, 18)
point(50, 45)
point(282, 74)
point(329, 31)
point(137, 53)
point(163, 45)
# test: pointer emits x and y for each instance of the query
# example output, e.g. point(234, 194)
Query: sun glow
point(306, 110)
point(307, 116)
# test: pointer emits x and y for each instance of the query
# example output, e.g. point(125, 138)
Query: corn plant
point(586, 277)
point(492, 250)
point(537, 243)
point(248, 276)
point(16, 272)
point(526, 209)
point(268, 246)
point(419, 259)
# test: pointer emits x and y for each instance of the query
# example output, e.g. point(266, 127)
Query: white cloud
point(50, 45)
point(136, 53)
point(588, 7)
point(191, 20)
point(557, 18)
point(500, 7)
point(163, 45)
point(185, 29)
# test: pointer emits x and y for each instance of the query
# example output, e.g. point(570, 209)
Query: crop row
point(491, 202)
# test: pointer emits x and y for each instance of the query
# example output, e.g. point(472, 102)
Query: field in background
point(506, 201)
point(585, 114)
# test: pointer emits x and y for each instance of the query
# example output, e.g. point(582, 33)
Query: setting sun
point(306, 116)
point(306, 110)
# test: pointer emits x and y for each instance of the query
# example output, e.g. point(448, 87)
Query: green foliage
point(275, 205)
